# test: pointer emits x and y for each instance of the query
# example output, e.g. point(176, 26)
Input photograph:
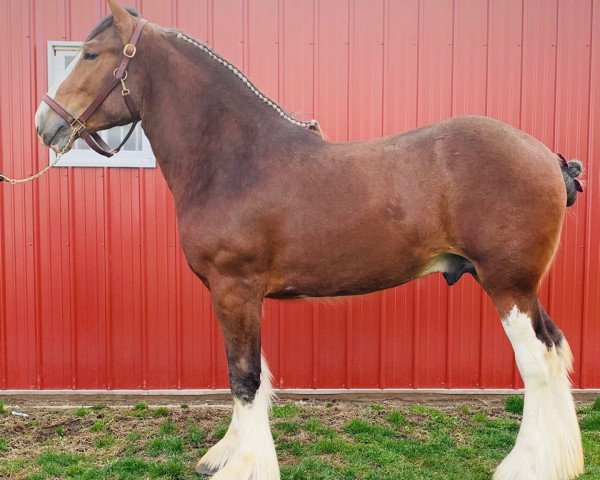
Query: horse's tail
point(571, 170)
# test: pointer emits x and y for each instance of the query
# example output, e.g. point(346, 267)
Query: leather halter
point(119, 75)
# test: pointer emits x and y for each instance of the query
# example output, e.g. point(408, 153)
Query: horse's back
point(466, 186)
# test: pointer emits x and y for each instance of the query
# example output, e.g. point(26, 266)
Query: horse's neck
point(201, 121)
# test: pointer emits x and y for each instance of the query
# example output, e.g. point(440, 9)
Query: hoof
point(205, 470)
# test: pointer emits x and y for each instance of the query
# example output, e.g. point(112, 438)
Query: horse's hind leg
point(548, 445)
point(247, 451)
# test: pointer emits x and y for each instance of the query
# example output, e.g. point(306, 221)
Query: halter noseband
point(119, 75)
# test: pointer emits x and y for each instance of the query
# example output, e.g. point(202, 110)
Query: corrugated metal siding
point(94, 289)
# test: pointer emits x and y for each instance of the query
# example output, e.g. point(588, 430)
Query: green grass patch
point(172, 468)
point(479, 417)
point(287, 410)
point(166, 445)
point(595, 405)
point(53, 463)
point(104, 442)
point(3, 444)
point(397, 419)
point(126, 468)
point(591, 422)
point(220, 429)
point(195, 436)
point(369, 432)
point(140, 407)
point(287, 428)
point(168, 428)
point(98, 426)
point(160, 412)
point(83, 412)
point(316, 426)
point(1, 407)
point(514, 404)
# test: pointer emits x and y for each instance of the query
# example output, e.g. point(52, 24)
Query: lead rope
point(43, 171)
point(312, 124)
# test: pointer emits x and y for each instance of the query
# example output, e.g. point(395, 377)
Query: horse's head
point(92, 69)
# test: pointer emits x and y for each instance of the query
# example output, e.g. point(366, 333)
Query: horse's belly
point(338, 276)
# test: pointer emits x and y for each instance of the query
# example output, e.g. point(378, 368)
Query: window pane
point(135, 141)
point(68, 59)
point(81, 145)
point(113, 136)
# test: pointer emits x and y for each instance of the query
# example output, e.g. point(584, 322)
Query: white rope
point(211, 53)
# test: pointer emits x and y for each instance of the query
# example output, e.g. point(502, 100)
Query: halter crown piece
point(77, 124)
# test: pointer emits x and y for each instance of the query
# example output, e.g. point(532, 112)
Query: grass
point(392, 440)
point(515, 404)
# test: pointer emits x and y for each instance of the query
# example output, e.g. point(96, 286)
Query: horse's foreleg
point(247, 451)
point(548, 445)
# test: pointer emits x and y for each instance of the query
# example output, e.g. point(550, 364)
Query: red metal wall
point(94, 290)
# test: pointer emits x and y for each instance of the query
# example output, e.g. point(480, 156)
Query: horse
point(266, 208)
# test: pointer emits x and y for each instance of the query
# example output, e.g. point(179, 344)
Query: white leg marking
point(548, 445)
point(216, 458)
point(254, 456)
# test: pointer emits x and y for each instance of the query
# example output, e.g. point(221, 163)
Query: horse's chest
point(221, 246)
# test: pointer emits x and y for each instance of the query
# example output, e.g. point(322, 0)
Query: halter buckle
point(129, 50)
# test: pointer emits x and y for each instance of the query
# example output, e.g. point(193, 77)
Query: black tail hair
point(571, 170)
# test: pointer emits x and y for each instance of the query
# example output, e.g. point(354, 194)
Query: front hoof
point(205, 470)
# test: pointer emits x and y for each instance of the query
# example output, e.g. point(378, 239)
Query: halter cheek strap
point(119, 76)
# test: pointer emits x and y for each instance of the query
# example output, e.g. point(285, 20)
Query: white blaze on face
point(43, 108)
point(548, 445)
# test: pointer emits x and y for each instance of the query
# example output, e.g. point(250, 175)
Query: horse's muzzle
point(52, 130)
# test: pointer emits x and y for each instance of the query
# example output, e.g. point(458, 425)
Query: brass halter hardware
point(124, 90)
point(77, 124)
point(129, 50)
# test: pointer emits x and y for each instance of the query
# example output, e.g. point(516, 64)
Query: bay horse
point(267, 208)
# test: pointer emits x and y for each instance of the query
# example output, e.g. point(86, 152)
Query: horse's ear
point(123, 20)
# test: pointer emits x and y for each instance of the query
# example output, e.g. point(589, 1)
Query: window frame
point(143, 158)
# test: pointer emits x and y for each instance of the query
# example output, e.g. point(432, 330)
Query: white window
point(135, 153)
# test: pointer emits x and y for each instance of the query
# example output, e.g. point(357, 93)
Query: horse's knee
point(238, 312)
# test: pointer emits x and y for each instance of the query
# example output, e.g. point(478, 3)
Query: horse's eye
point(89, 55)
